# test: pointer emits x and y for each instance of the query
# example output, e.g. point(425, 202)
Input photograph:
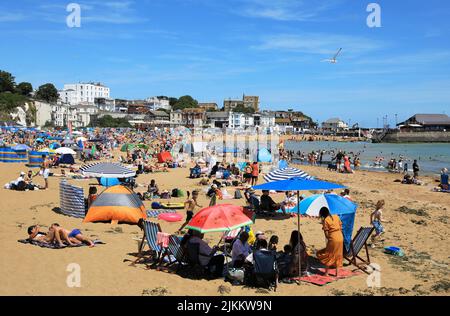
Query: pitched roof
point(432, 119)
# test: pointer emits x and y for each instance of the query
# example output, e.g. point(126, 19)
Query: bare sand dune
point(420, 227)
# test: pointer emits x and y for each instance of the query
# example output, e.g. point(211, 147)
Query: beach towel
point(55, 246)
point(154, 214)
point(320, 279)
point(162, 239)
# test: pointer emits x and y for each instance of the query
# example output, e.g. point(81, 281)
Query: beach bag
point(175, 193)
point(156, 206)
point(237, 194)
point(235, 276)
point(165, 195)
point(180, 193)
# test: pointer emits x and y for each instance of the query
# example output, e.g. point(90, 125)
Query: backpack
point(265, 269)
point(237, 194)
point(175, 193)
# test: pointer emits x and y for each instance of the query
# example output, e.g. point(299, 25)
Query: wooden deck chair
point(356, 245)
point(150, 232)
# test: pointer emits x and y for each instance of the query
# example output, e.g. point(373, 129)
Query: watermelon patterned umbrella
point(219, 218)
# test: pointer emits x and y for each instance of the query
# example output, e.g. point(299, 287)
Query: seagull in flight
point(333, 60)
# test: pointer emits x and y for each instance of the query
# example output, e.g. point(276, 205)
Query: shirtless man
point(74, 237)
point(45, 170)
point(190, 205)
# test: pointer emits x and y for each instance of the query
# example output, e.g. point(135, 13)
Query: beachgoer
point(376, 219)
point(273, 243)
point(206, 255)
point(444, 179)
point(269, 205)
point(298, 252)
point(241, 249)
point(332, 255)
point(92, 196)
point(416, 169)
point(73, 237)
point(190, 205)
point(255, 173)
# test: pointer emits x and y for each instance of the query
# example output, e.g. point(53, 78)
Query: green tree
point(109, 121)
point(173, 101)
point(185, 102)
point(49, 124)
point(24, 88)
point(10, 101)
point(7, 82)
point(48, 93)
point(242, 109)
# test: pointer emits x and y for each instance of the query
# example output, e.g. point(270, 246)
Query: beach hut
point(117, 204)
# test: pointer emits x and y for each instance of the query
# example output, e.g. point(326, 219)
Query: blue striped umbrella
point(286, 174)
point(335, 203)
point(107, 170)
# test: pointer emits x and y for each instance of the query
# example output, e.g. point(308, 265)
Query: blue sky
point(217, 49)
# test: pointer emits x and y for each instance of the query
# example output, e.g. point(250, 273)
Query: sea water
point(431, 157)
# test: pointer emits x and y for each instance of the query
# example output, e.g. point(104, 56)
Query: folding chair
point(177, 252)
point(358, 242)
point(150, 233)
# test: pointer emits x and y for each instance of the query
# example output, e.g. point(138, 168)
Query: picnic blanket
point(55, 246)
point(155, 213)
point(320, 279)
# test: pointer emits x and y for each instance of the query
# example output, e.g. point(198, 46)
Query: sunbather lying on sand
point(35, 234)
point(59, 235)
point(74, 237)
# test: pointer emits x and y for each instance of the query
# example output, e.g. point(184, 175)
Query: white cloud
point(284, 10)
point(11, 17)
point(318, 43)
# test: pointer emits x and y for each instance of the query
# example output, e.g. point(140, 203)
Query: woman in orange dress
point(333, 254)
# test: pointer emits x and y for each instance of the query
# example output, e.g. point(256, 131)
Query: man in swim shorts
point(74, 237)
point(190, 205)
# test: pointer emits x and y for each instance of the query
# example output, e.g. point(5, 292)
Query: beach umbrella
point(68, 141)
point(285, 174)
point(107, 170)
point(39, 140)
point(298, 184)
point(83, 139)
point(47, 150)
point(219, 218)
point(77, 133)
point(65, 151)
point(21, 147)
point(143, 146)
point(55, 146)
point(335, 203)
point(127, 147)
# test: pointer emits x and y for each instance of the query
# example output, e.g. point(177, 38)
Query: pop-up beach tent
point(264, 155)
point(164, 156)
point(116, 204)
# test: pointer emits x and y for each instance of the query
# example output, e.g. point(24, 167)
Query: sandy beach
point(420, 227)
